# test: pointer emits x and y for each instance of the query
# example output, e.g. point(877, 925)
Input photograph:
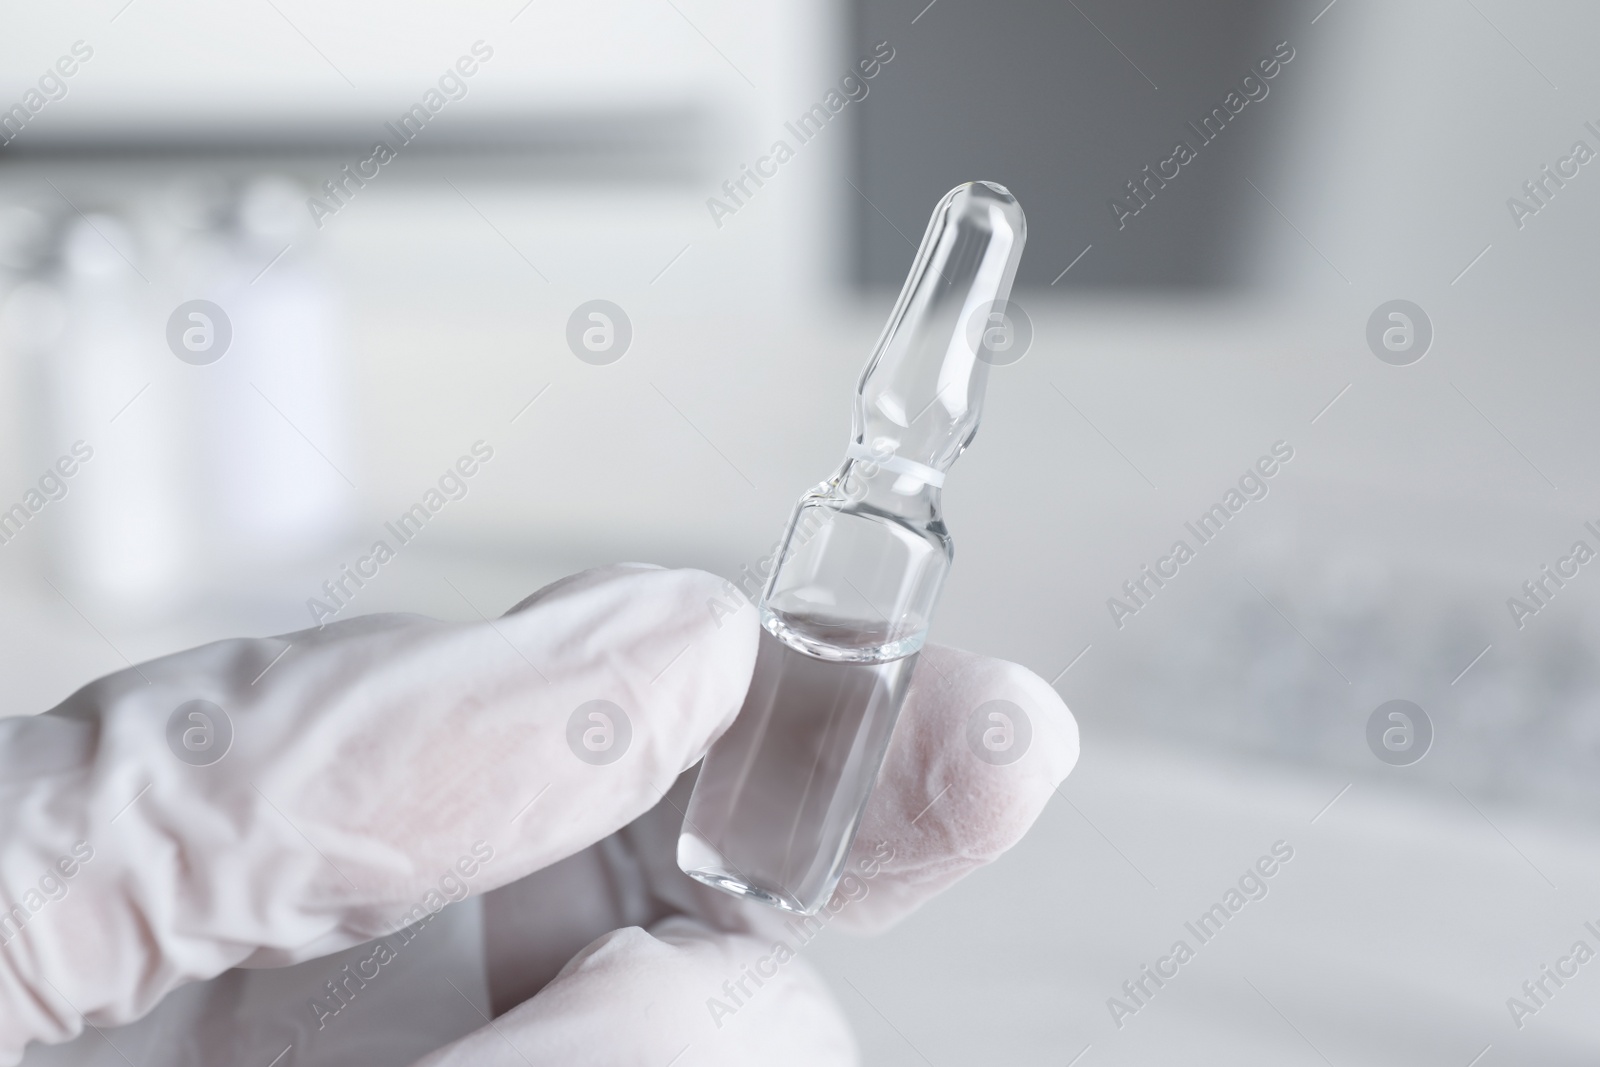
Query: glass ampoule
point(846, 609)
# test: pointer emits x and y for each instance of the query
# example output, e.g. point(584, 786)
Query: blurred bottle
point(271, 443)
point(113, 529)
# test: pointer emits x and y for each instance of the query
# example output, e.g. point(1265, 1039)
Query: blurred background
point(368, 320)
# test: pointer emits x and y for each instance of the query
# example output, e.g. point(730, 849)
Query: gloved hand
point(376, 768)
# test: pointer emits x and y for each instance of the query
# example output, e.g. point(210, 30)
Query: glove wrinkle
point(39, 746)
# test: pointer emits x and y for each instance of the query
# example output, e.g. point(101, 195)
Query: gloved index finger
point(364, 775)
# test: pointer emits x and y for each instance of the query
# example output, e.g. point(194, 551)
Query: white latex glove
point(383, 765)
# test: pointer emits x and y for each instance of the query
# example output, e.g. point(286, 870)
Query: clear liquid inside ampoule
point(781, 794)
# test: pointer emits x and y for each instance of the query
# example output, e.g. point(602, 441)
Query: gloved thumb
point(680, 994)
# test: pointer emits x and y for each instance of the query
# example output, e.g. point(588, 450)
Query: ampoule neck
point(906, 496)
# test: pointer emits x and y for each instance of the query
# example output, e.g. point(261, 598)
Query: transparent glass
point(846, 609)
